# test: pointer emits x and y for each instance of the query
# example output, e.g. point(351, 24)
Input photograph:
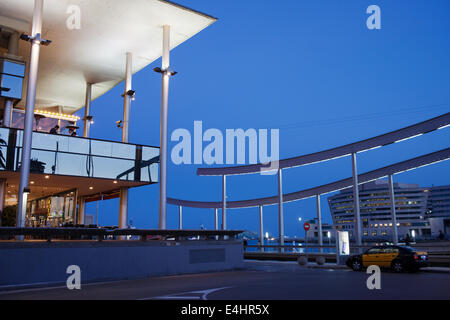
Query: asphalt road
point(259, 281)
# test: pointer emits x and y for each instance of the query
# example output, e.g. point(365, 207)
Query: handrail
point(101, 233)
point(85, 138)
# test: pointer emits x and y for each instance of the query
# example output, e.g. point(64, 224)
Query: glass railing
point(76, 156)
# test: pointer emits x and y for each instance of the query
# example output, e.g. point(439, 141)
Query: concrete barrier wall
point(29, 263)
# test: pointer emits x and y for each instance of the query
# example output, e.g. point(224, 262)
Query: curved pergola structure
point(352, 149)
point(338, 152)
point(396, 168)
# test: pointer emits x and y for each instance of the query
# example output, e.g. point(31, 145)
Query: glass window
point(390, 250)
point(373, 251)
point(121, 150)
point(14, 68)
point(52, 211)
point(11, 86)
point(65, 155)
point(11, 78)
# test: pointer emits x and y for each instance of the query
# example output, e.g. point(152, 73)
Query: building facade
point(328, 233)
point(422, 212)
point(50, 167)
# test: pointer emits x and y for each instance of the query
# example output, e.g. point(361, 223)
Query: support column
point(7, 114)
point(81, 210)
point(356, 201)
point(2, 198)
point(127, 97)
point(165, 72)
point(13, 44)
point(123, 204)
point(224, 202)
point(87, 111)
point(123, 208)
point(180, 217)
point(280, 210)
point(29, 113)
point(393, 212)
point(319, 220)
point(261, 228)
point(216, 219)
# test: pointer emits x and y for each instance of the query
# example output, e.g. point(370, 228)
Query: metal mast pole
point(280, 210)
point(29, 112)
point(261, 228)
point(123, 203)
point(164, 115)
point(319, 220)
point(393, 212)
point(87, 110)
point(356, 201)
point(180, 217)
point(224, 202)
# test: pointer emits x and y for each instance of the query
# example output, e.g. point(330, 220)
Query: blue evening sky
point(309, 68)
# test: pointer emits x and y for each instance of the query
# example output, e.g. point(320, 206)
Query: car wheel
point(397, 266)
point(356, 265)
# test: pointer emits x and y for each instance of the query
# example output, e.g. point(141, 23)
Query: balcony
point(80, 157)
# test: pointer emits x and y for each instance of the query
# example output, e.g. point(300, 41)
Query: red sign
point(306, 226)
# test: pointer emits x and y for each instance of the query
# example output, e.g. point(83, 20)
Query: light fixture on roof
point(57, 115)
point(37, 38)
point(165, 72)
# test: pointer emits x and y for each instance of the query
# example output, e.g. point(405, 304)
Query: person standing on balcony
point(54, 130)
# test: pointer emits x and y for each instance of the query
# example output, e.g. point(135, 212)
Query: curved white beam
point(338, 152)
point(396, 168)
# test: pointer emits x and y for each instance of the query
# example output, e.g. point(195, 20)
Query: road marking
point(191, 295)
point(9, 289)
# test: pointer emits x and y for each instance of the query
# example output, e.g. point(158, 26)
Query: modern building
point(328, 233)
point(421, 212)
point(79, 51)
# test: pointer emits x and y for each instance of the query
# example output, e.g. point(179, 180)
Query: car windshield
point(409, 248)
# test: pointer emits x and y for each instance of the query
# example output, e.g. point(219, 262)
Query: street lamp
point(300, 220)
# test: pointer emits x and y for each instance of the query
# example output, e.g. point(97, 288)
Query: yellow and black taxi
point(398, 258)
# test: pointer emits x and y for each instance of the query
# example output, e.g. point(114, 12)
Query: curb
point(324, 266)
point(343, 267)
point(435, 270)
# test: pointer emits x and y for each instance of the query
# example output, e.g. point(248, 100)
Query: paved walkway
point(258, 281)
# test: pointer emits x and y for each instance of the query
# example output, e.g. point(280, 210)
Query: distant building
point(313, 233)
point(421, 212)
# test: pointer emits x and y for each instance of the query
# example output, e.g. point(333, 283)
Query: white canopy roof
point(96, 53)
